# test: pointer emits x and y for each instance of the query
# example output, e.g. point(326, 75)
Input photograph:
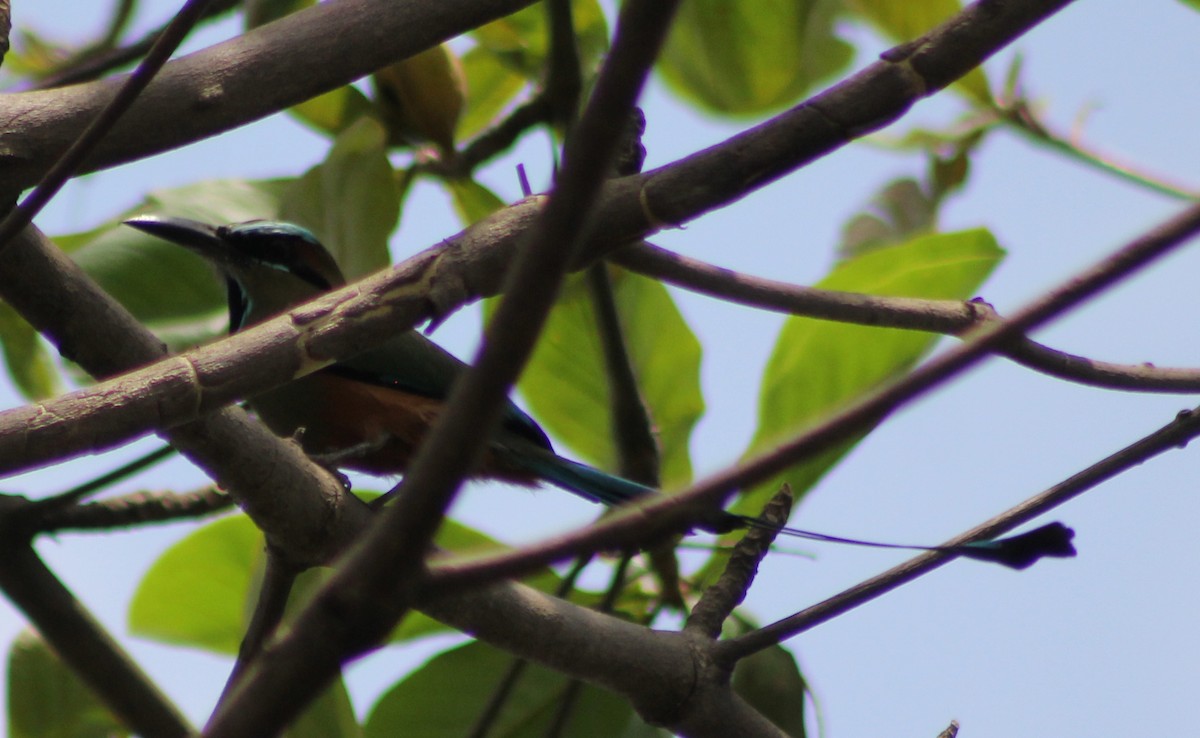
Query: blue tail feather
point(587, 482)
point(1016, 552)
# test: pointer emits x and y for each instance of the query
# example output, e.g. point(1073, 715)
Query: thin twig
point(75, 494)
point(97, 61)
point(569, 698)
point(138, 508)
point(492, 142)
point(719, 600)
point(1021, 118)
point(936, 316)
point(564, 77)
point(1176, 434)
point(632, 428)
point(73, 157)
point(277, 583)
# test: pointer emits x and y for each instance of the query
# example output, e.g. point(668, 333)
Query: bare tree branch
point(641, 521)
point(937, 316)
point(82, 643)
point(138, 508)
point(99, 127)
point(234, 83)
point(719, 600)
point(1176, 434)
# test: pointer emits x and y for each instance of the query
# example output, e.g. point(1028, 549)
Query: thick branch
point(83, 644)
point(233, 83)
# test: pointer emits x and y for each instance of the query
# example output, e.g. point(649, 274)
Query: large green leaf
point(566, 384)
point(201, 590)
point(445, 697)
point(818, 367)
point(195, 593)
point(351, 201)
point(47, 700)
point(747, 58)
point(905, 20)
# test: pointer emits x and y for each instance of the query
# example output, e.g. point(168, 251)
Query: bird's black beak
point(201, 238)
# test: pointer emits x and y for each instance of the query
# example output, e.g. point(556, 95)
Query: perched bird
point(370, 412)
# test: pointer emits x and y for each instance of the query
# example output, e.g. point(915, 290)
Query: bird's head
point(269, 266)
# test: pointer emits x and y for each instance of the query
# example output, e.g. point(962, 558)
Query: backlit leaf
point(748, 58)
point(818, 367)
point(47, 700)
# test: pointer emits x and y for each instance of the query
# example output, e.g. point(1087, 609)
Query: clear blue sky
point(1102, 645)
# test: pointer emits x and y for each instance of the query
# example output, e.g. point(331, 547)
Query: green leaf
point(201, 591)
point(421, 98)
point(770, 681)
point(741, 58)
point(330, 716)
point(47, 700)
point(335, 111)
point(195, 593)
point(491, 84)
point(520, 40)
point(818, 367)
point(159, 282)
point(445, 696)
point(566, 385)
point(30, 365)
point(472, 201)
point(905, 20)
point(351, 201)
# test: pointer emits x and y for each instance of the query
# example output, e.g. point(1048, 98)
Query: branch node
point(720, 599)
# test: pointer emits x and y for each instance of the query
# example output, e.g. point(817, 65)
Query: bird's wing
point(412, 363)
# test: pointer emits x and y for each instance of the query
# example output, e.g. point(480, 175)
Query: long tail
point(1016, 552)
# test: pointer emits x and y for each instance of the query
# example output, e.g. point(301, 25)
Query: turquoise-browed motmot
point(370, 412)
